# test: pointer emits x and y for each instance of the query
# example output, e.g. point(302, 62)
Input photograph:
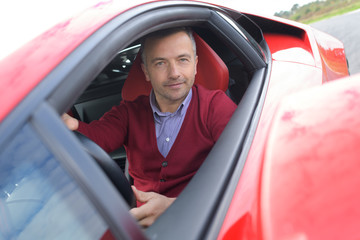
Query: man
point(168, 134)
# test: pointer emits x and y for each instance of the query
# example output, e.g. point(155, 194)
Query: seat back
point(212, 73)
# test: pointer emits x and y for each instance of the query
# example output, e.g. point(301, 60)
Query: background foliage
point(319, 10)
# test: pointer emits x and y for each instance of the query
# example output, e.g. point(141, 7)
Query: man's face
point(170, 67)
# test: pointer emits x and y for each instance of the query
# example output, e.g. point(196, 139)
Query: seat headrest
point(212, 73)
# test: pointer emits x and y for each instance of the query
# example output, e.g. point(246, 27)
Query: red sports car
point(285, 166)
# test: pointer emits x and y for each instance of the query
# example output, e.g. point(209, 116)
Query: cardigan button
point(162, 180)
point(164, 164)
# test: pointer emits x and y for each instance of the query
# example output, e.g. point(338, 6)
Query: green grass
point(332, 14)
point(319, 10)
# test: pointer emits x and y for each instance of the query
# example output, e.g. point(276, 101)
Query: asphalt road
point(346, 28)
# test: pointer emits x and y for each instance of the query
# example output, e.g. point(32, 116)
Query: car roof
point(24, 69)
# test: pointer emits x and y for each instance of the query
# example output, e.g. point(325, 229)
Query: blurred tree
point(294, 8)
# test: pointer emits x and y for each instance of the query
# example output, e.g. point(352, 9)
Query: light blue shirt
point(167, 125)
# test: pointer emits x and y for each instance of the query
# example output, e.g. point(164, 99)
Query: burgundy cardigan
point(132, 124)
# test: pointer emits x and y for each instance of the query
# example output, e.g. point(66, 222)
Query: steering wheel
point(111, 169)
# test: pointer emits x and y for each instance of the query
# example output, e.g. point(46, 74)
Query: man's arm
point(221, 110)
point(109, 132)
point(154, 205)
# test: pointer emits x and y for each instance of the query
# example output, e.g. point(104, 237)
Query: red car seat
point(212, 73)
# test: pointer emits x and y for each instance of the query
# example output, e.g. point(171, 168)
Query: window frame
point(76, 72)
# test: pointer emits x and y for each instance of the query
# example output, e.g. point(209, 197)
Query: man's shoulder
point(139, 104)
point(140, 100)
point(213, 99)
point(204, 93)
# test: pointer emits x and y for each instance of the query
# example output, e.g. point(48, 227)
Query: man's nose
point(174, 71)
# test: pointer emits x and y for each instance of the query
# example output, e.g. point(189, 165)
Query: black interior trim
point(271, 26)
point(240, 46)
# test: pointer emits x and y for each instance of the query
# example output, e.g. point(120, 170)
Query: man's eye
point(159, 63)
point(184, 60)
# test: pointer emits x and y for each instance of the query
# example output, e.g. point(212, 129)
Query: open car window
point(105, 90)
point(91, 92)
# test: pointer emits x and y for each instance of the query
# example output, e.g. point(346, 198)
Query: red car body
point(285, 172)
point(299, 178)
point(306, 187)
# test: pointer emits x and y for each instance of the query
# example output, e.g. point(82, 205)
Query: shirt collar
point(181, 109)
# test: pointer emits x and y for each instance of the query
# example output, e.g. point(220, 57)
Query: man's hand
point(154, 205)
point(70, 122)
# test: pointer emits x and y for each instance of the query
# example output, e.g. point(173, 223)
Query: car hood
point(310, 172)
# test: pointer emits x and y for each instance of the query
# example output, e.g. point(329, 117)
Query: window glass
point(38, 199)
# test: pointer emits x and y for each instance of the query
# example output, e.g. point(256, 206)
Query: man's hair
point(164, 33)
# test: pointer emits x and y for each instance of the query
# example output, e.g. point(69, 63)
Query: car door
point(60, 89)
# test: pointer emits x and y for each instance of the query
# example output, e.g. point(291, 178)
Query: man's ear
point(147, 78)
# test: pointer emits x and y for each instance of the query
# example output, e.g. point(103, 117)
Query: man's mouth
point(174, 85)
